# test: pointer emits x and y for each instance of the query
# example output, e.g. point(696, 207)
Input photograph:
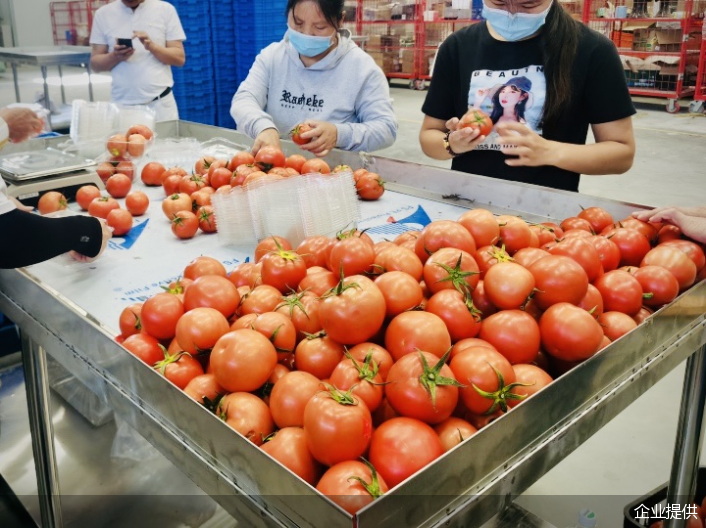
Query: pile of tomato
point(355, 364)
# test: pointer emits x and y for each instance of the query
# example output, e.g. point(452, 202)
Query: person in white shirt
point(27, 238)
point(142, 72)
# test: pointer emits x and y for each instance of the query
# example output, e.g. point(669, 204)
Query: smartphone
point(125, 42)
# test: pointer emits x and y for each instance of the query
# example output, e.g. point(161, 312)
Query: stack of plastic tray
point(225, 75)
point(193, 83)
point(269, 24)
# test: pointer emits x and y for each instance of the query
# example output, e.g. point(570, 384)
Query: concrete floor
point(626, 459)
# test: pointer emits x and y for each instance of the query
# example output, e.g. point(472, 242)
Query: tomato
point(669, 232)
point(477, 120)
point(212, 291)
point(616, 324)
point(642, 315)
point(190, 184)
point(248, 415)
point(280, 330)
point(295, 161)
point(101, 207)
point(525, 257)
point(633, 245)
point(569, 333)
point(351, 256)
point(203, 164)
point(283, 269)
point(290, 395)
point(297, 131)
point(453, 431)
point(659, 285)
point(544, 234)
point(481, 301)
point(318, 355)
point(178, 286)
point(482, 226)
point(592, 302)
point(378, 355)
point(508, 285)
point(315, 250)
point(303, 310)
point(648, 230)
point(203, 265)
point(413, 331)
point(205, 389)
point(583, 252)
point(185, 224)
point(240, 158)
point(488, 256)
point(175, 203)
point(143, 130)
point(530, 379)
point(120, 220)
point(354, 311)
point(118, 185)
point(400, 290)
point(171, 184)
point(402, 446)
point(243, 360)
point(361, 378)
point(398, 258)
point(577, 222)
point(513, 333)
point(693, 250)
point(130, 320)
point(338, 426)
point(268, 157)
point(137, 203)
point(370, 187)
point(620, 291)
point(288, 447)
point(468, 342)
point(261, 299)
point(240, 275)
point(676, 261)
point(450, 268)
point(461, 318)
point(160, 314)
point(515, 234)
point(352, 485)
point(315, 165)
point(105, 170)
point(152, 173)
point(269, 244)
point(51, 202)
point(608, 252)
point(86, 194)
point(179, 368)
point(206, 218)
point(145, 347)
point(558, 279)
point(440, 234)
point(198, 330)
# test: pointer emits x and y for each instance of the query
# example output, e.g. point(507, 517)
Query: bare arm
point(104, 60)
point(692, 226)
point(172, 53)
point(689, 211)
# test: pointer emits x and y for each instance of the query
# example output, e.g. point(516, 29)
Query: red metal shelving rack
point(697, 105)
point(71, 21)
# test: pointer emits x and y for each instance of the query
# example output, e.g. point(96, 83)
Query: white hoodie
point(345, 88)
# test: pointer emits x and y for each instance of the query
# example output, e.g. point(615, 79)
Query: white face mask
point(517, 26)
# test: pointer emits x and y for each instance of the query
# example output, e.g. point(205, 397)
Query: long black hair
point(331, 9)
point(560, 38)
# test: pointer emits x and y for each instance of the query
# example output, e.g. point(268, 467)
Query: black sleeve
point(439, 102)
point(606, 96)
point(27, 238)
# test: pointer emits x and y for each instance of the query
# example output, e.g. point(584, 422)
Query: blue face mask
point(513, 27)
point(308, 45)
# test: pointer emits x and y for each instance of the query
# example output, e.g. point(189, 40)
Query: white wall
point(32, 23)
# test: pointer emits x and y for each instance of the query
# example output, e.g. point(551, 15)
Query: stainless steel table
point(467, 490)
point(45, 56)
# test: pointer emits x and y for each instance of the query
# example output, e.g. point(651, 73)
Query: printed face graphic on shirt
point(508, 96)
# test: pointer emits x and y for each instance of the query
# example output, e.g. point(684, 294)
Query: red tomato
point(290, 395)
point(86, 194)
point(513, 333)
point(676, 261)
point(352, 485)
point(143, 130)
point(105, 170)
point(398, 258)
point(354, 312)
point(515, 234)
point(179, 368)
point(558, 279)
point(185, 224)
point(160, 314)
point(283, 269)
point(477, 120)
point(297, 131)
point(608, 252)
point(203, 164)
point(207, 219)
point(481, 301)
point(422, 386)
point(269, 244)
point(659, 285)
point(361, 378)
point(203, 265)
point(453, 431)
point(248, 415)
point(295, 161)
point(117, 145)
point(569, 333)
point(175, 203)
point(118, 185)
point(633, 246)
point(101, 207)
point(268, 157)
point(130, 320)
point(616, 324)
point(190, 184)
point(303, 310)
point(508, 285)
point(212, 291)
point(469, 342)
point(488, 256)
point(152, 173)
point(527, 256)
point(412, 331)
point(198, 330)
point(261, 299)
point(462, 319)
point(338, 426)
point(481, 224)
point(288, 447)
point(648, 230)
point(592, 302)
point(351, 256)
point(137, 203)
point(621, 292)
point(450, 268)
point(530, 379)
point(598, 217)
point(576, 222)
point(315, 165)
point(145, 347)
point(402, 446)
point(669, 232)
point(583, 252)
point(280, 330)
point(378, 355)
point(240, 158)
point(318, 355)
point(693, 250)
point(370, 187)
point(440, 234)
point(243, 360)
point(315, 250)
point(400, 290)
point(204, 389)
point(120, 220)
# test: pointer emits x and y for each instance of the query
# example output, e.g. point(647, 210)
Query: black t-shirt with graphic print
point(506, 80)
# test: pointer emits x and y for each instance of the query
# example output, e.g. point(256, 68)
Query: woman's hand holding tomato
point(267, 138)
point(323, 137)
point(462, 140)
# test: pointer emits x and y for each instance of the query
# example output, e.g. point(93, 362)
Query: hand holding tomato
point(531, 149)
point(323, 137)
point(463, 139)
point(267, 138)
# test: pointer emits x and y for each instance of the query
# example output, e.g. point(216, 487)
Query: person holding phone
point(138, 41)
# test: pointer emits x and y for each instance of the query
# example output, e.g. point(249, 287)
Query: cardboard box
point(655, 39)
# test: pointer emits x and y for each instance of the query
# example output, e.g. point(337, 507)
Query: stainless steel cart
point(467, 490)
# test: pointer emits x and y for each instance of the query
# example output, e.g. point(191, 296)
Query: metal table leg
point(90, 84)
point(17, 84)
point(61, 81)
point(46, 95)
point(687, 450)
point(34, 360)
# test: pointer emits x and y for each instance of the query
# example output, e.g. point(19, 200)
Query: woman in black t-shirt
point(559, 75)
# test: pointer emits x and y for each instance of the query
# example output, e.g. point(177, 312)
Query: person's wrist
point(555, 153)
point(447, 145)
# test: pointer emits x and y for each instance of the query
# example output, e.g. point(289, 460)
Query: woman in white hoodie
point(316, 75)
